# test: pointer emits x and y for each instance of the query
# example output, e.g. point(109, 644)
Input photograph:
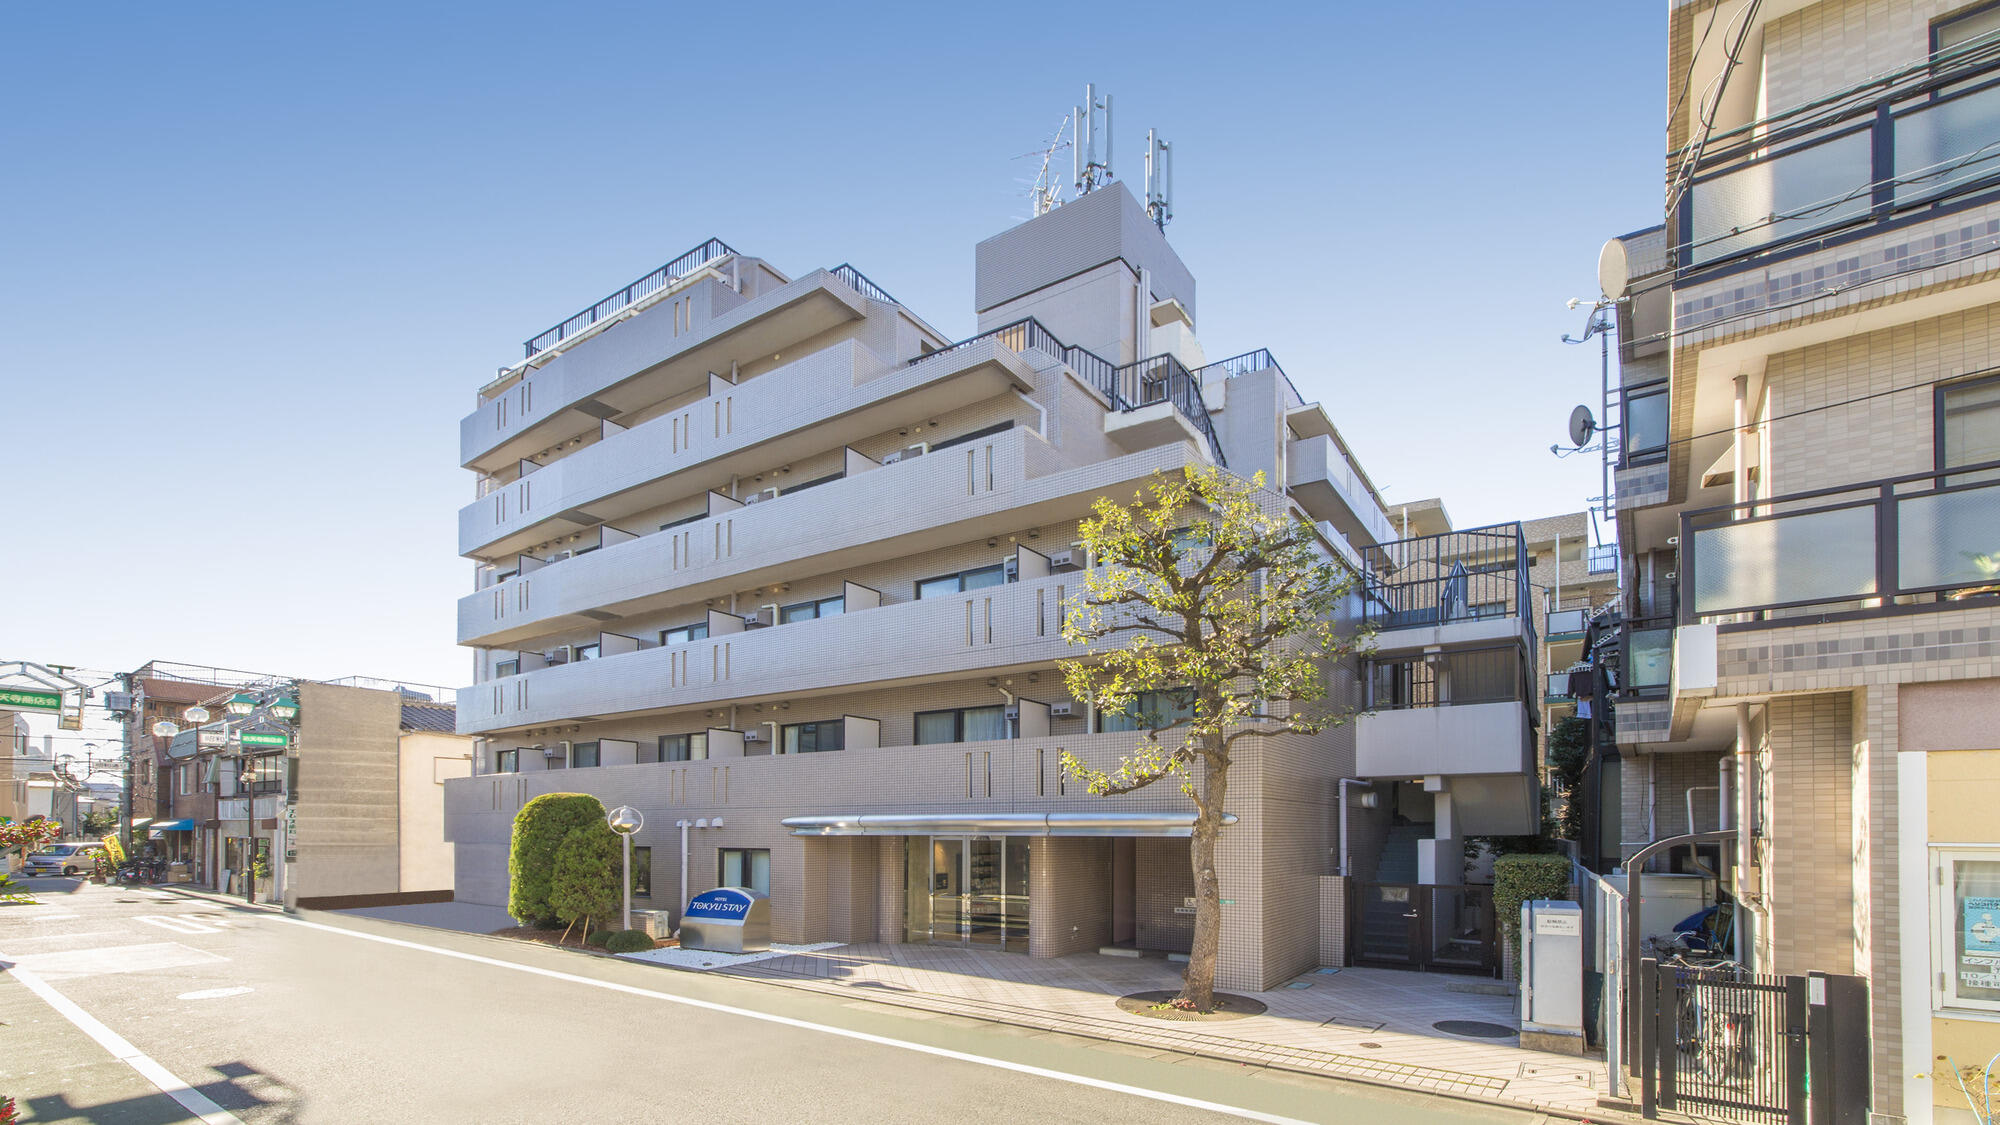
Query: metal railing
point(1602, 559)
point(1922, 537)
point(1911, 140)
point(1454, 576)
point(1124, 386)
point(639, 290)
point(1455, 678)
point(1163, 379)
point(859, 282)
point(1246, 363)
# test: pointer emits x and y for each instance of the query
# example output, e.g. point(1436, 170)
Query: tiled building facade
point(774, 562)
point(1808, 364)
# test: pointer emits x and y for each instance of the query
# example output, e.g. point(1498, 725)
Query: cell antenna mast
point(1092, 171)
point(1159, 180)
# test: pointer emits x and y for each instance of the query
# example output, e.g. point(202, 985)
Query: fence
point(1455, 576)
point(639, 290)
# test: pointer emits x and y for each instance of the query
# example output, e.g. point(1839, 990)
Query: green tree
point(1569, 752)
point(1214, 621)
point(97, 822)
point(539, 831)
point(584, 885)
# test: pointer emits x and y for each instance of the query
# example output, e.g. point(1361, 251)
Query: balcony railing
point(1129, 387)
point(1910, 140)
point(1246, 363)
point(1602, 559)
point(1456, 576)
point(1926, 537)
point(1451, 679)
point(859, 282)
point(639, 290)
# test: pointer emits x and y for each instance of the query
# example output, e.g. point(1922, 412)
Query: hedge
point(629, 941)
point(539, 830)
point(1524, 878)
point(584, 886)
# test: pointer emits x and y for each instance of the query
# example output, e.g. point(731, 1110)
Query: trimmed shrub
point(584, 887)
point(629, 941)
point(1524, 878)
point(599, 937)
point(539, 830)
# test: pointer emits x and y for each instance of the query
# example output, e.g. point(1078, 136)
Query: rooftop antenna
point(1159, 180)
point(1047, 192)
point(1090, 172)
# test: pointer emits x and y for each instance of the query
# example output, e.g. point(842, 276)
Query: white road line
point(215, 993)
point(190, 1099)
point(807, 1025)
point(175, 923)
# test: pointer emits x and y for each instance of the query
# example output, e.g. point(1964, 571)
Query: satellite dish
point(1614, 270)
point(1581, 426)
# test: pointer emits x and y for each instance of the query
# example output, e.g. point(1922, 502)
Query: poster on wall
point(1979, 964)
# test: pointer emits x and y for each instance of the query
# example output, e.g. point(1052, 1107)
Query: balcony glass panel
point(1949, 538)
point(1943, 146)
point(1777, 198)
point(1817, 556)
point(1649, 658)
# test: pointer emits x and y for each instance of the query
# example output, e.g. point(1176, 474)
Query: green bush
point(584, 886)
point(599, 938)
point(1524, 878)
point(1569, 753)
point(629, 941)
point(539, 830)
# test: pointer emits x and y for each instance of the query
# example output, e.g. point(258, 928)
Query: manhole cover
point(1478, 1029)
point(1372, 1046)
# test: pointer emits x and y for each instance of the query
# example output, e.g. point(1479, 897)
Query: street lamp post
point(626, 821)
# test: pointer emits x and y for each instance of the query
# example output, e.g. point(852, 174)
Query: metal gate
point(1425, 926)
point(1722, 1043)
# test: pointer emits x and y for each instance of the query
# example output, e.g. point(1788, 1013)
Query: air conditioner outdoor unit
point(1013, 568)
point(1013, 711)
point(754, 498)
point(1064, 560)
point(753, 736)
point(917, 450)
point(1062, 710)
point(562, 654)
point(892, 458)
point(554, 751)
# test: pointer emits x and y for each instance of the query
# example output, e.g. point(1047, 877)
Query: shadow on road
point(240, 1088)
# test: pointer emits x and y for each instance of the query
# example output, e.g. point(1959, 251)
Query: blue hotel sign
point(725, 903)
point(727, 920)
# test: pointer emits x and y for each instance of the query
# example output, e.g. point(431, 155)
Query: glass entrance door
point(968, 890)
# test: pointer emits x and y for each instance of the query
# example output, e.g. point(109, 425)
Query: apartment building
point(29, 783)
point(337, 787)
point(773, 561)
point(1809, 393)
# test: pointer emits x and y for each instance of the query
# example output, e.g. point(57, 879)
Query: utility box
point(727, 920)
point(655, 924)
point(1552, 976)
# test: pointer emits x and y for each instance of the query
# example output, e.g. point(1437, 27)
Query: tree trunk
point(1198, 983)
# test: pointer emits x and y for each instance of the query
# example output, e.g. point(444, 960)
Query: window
point(696, 518)
point(684, 634)
point(1147, 710)
point(1962, 29)
point(806, 611)
point(507, 667)
point(973, 436)
point(587, 652)
point(642, 872)
point(1966, 898)
point(814, 483)
point(966, 724)
point(583, 755)
point(813, 738)
point(507, 761)
point(964, 580)
point(683, 747)
point(1645, 411)
point(745, 867)
point(1968, 424)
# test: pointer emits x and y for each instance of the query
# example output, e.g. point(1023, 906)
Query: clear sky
point(256, 258)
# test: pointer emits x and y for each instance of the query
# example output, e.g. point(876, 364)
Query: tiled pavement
point(1368, 1024)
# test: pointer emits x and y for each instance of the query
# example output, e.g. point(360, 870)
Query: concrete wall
point(425, 761)
point(1069, 891)
point(348, 825)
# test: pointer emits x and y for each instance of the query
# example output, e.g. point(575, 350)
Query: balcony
point(1329, 486)
point(1926, 538)
point(647, 354)
point(840, 394)
point(885, 512)
point(1922, 140)
point(1459, 713)
point(996, 628)
point(699, 257)
point(1454, 588)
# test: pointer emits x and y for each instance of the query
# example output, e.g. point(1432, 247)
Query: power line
point(1927, 384)
point(1687, 80)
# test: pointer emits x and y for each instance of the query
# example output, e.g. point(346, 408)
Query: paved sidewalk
point(461, 917)
point(1374, 1025)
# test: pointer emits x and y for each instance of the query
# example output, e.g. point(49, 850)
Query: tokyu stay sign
point(28, 699)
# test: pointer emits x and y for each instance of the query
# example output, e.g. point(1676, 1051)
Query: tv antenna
point(1159, 180)
point(1047, 192)
point(1090, 172)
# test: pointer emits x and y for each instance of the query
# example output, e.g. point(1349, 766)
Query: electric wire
point(1857, 399)
point(1687, 80)
point(1684, 175)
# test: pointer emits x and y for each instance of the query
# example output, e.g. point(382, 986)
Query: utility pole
point(125, 830)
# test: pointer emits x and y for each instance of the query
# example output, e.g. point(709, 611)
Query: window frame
point(642, 871)
point(957, 721)
point(596, 754)
point(744, 865)
point(507, 761)
point(1652, 454)
point(666, 635)
point(660, 747)
point(1945, 918)
point(1939, 453)
point(817, 605)
point(1139, 720)
point(785, 729)
point(989, 431)
point(958, 579)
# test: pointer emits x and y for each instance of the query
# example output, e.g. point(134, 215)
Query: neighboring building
point(343, 800)
point(779, 565)
point(1809, 348)
point(30, 785)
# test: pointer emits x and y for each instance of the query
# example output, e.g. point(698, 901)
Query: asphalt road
point(267, 1018)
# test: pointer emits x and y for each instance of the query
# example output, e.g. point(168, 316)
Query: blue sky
point(255, 259)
